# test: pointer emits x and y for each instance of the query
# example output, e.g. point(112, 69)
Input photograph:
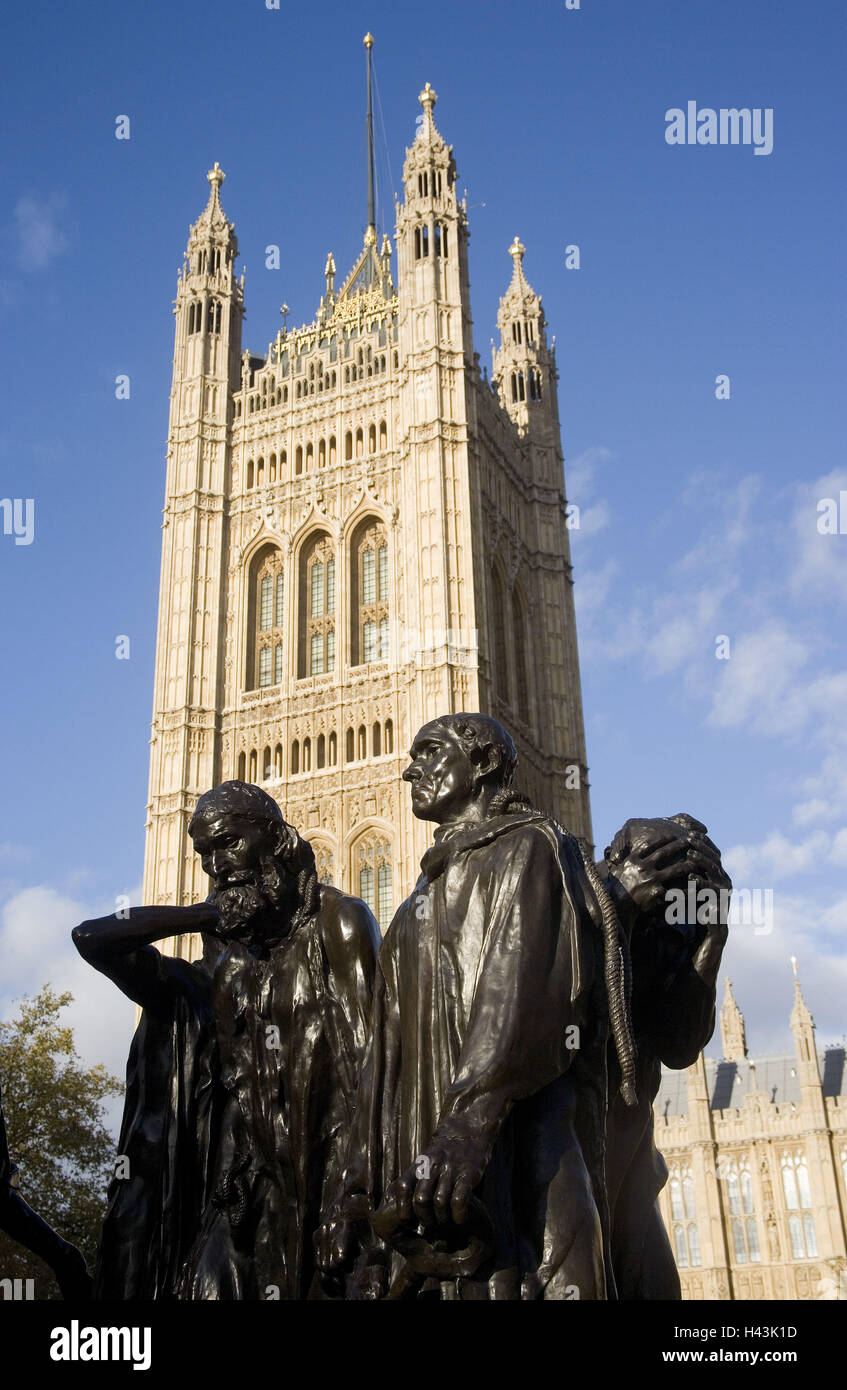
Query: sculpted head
point(459, 763)
point(252, 855)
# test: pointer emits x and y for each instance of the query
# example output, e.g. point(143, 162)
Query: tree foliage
point(54, 1121)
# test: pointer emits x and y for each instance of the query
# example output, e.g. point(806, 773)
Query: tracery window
point(325, 864)
point(798, 1200)
point(270, 620)
point(374, 876)
point(317, 597)
point(686, 1237)
point(370, 616)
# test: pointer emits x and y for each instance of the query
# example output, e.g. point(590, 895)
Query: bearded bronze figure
point(243, 1069)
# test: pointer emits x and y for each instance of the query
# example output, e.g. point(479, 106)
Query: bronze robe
point(240, 1089)
point(484, 973)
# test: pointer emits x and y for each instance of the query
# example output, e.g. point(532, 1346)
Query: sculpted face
point(249, 879)
point(441, 775)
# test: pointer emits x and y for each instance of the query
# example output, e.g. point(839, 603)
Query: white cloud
point(40, 236)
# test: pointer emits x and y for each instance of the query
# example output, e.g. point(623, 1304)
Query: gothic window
point(260, 472)
point(242, 767)
point(252, 770)
point(295, 757)
point(389, 736)
point(798, 1200)
point(333, 749)
point(348, 444)
point(745, 1234)
point(519, 648)
point(324, 863)
point(369, 586)
point(686, 1237)
point(376, 739)
point(373, 876)
point(249, 473)
point(518, 387)
point(383, 430)
point(195, 316)
point(321, 751)
point(362, 743)
point(267, 619)
point(317, 607)
point(372, 439)
point(535, 384)
point(332, 451)
point(500, 674)
point(267, 764)
point(310, 457)
point(424, 241)
point(213, 316)
point(278, 762)
point(298, 459)
point(360, 443)
point(272, 469)
point(350, 749)
point(516, 331)
point(321, 453)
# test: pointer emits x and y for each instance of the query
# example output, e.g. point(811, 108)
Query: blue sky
point(698, 515)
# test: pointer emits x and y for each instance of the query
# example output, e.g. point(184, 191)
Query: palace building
point(756, 1197)
point(361, 531)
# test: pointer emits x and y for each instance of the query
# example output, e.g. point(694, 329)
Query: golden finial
point(368, 40)
point(428, 98)
point(216, 175)
point(517, 251)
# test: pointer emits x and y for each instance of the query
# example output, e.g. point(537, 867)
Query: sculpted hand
point(649, 857)
point(438, 1186)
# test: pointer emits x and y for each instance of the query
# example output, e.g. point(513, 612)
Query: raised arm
point(121, 948)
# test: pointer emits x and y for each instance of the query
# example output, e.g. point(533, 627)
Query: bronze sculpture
point(243, 1068)
point(477, 1167)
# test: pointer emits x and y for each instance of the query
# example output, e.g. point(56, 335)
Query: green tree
point(54, 1121)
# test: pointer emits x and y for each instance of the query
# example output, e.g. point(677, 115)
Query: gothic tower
point(360, 533)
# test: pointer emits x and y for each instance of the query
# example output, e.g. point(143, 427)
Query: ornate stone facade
point(360, 532)
point(757, 1154)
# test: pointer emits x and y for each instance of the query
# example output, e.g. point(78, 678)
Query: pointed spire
point(369, 43)
point(329, 272)
point(517, 251)
point(801, 1018)
point(733, 1036)
point(426, 125)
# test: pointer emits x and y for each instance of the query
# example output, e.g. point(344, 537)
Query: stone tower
point(360, 533)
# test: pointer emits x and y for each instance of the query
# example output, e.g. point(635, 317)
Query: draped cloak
point(239, 1096)
point(490, 1018)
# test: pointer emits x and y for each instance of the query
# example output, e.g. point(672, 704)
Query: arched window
point(324, 863)
point(295, 757)
point(317, 602)
point(252, 768)
point(373, 876)
point(369, 637)
point(266, 615)
point(683, 1214)
point(360, 443)
point(249, 473)
point(798, 1199)
point(298, 459)
point(321, 453)
point(362, 742)
point(333, 749)
point(267, 764)
point(350, 750)
point(500, 675)
point(321, 751)
point(383, 430)
point(741, 1201)
point(307, 755)
point(260, 472)
point(272, 469)
point(372, 439)
point(242, 766)
point(389, 736)
point(376, 739)
point(213, 316)
point(332, 451)
point(519, 649)
point(310, 457)
point(278, 762)
point(348, 444)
